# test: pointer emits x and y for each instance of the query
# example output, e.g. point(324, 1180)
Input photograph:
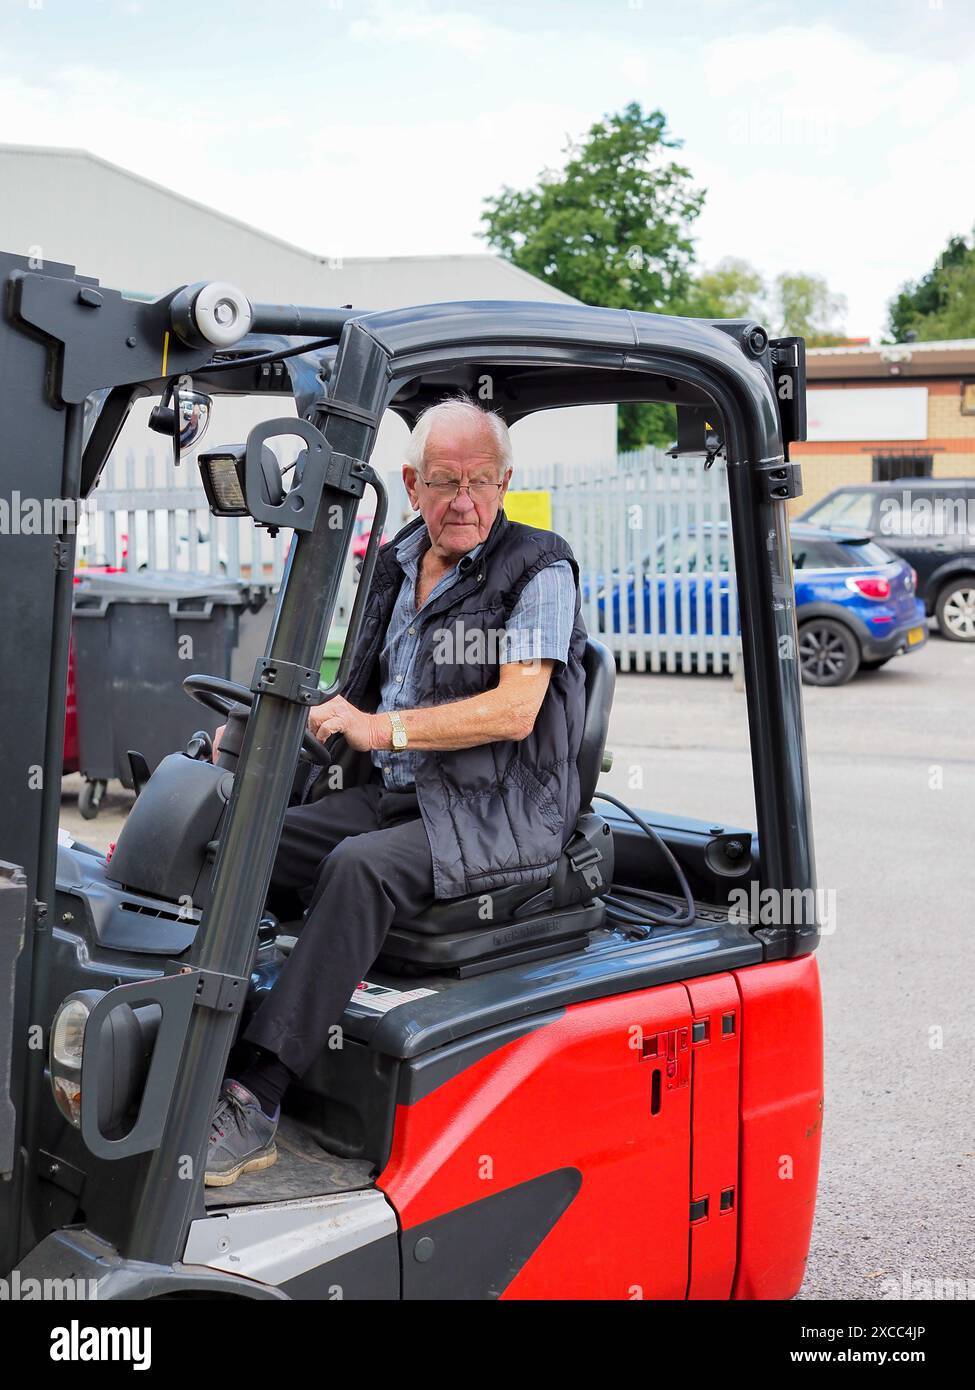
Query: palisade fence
point(148, 514)
point(650, 532)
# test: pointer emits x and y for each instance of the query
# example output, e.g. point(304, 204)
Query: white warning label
point(380, 998)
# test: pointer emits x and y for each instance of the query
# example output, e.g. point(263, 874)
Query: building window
point(887, 468)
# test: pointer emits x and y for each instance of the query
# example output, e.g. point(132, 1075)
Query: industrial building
point(139, 237)
point(887, 412)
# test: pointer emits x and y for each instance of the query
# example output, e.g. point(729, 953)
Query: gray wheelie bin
point(137, 635)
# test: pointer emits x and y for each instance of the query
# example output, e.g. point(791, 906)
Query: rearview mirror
point(191, 409)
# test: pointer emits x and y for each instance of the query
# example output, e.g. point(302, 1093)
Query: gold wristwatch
point(400, 740)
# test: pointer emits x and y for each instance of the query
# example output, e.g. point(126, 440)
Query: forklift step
point(303, 1169)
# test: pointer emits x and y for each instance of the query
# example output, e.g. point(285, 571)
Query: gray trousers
point(360, 858)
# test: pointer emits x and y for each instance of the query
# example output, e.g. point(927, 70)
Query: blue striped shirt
point(539, 628)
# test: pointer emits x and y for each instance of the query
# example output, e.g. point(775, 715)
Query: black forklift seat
point(537, 918)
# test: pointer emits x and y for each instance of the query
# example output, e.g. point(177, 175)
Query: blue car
point(856, 603)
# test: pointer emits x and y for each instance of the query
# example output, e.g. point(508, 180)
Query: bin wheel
point(90, 799)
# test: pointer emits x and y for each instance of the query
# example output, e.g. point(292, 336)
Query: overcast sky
point(830, 138)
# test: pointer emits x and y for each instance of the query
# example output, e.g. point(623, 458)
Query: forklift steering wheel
point(220, 696)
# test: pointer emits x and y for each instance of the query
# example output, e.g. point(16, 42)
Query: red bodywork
point(70, 763)
point(664, 1100)
point(361, 534)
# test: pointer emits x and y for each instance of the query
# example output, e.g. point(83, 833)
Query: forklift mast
point(64, 338)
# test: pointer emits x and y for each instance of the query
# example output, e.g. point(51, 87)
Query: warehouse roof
point(950, 358)
point(182, 239)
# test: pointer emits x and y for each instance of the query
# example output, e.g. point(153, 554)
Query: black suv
point(930, 523)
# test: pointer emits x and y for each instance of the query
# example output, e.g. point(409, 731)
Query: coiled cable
point(624, 914)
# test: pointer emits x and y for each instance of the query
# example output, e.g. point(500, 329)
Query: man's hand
point(362, 731)
point(216, 742)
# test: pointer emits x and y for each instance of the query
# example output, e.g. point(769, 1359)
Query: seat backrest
point(600, 670)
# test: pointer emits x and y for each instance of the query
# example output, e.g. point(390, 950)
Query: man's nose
point(462, 502)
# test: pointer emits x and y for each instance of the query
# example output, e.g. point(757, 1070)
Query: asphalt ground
point(892, 773)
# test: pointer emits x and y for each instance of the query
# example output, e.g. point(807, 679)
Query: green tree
point(732, 289)
point(804, 307)
point(942, 303)
point(611, 227)
point(797, 304)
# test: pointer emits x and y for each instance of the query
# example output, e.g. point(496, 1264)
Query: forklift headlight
point(66, 1050)
point(68, 1033)
point(222, 472)
point(123, 1051)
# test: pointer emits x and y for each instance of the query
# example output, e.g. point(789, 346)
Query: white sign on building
point(888, 412)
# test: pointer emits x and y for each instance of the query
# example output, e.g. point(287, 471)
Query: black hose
point(226, 364)
point(624, 913)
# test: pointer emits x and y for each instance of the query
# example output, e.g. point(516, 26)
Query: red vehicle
point(361, 534)
point(70, 718)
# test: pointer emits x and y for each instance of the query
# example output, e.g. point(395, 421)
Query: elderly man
point(465, 707)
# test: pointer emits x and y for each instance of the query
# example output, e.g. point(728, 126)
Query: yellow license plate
point(915, 635)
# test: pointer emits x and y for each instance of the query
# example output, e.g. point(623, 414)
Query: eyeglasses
point(479, 491)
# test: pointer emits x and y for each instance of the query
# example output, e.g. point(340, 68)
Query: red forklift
point(612, 1089)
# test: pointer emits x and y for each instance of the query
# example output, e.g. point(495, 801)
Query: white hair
point(460, 410)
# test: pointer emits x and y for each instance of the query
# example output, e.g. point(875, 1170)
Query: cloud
point(434, 176)
point(819, 150)
point(861, 178)
point(111, 114)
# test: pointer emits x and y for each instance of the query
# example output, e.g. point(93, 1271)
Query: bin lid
point(161, 586)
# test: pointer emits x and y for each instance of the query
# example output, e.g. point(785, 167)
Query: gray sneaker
point(241, 1136)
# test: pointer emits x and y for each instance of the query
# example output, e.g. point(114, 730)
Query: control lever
point(200, 747)
point(139, 768)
